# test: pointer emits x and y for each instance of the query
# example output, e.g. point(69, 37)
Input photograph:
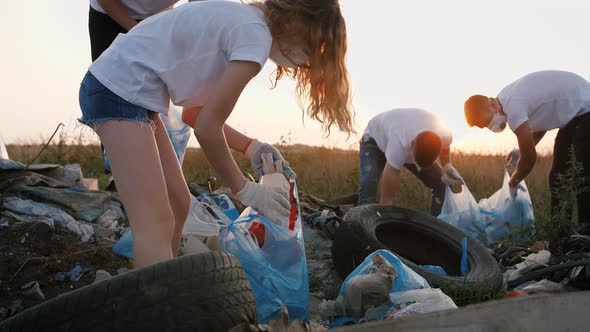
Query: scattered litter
point(281, 325)
point(514, 293)
point(111, 217)
point(101, 275)
point(530, 262)
point(89, 184)
point(419, 301)
point(192, 245)
point(33, 290)
point(102, 232)
point(544, 286)
point(124, 246)
point(34, 212)
point(72, 275)
point(14, 307)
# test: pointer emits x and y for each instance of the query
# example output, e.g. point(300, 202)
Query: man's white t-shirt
point(394, 131)
point(179, 54)
point(546, 99)
point(138, 9)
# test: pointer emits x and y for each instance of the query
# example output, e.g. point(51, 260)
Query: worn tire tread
point(206, 292)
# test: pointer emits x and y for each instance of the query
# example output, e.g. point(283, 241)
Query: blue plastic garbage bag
point(436, 269)
point(124, 246)
point(276, 267)
point(492, 218)
point(277, 271)
point(224, 203)
point(72, 275)
point(178, 131)
point(505, 215)
point(406, 279)
point(462, 211)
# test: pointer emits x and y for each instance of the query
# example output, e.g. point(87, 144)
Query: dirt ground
point(36, 252)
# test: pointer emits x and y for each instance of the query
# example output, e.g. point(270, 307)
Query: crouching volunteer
point(201, 55)
point(531, 106)
point(410, 138)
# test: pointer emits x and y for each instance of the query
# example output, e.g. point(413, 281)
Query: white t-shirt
point(138, 9)
point(177, 55)
point(394, 131)
point(546, 99)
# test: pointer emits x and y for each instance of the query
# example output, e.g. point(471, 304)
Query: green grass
point(323, 172)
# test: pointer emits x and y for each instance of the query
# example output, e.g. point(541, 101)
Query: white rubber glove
point(451, 176)
point(273, 202)
point(255, 151)
point(512, 159)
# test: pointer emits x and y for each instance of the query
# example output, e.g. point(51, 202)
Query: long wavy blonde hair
point(325, 84)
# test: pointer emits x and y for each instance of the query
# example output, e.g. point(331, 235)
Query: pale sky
point(427, 54)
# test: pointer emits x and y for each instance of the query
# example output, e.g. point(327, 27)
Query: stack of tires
point(418, 239)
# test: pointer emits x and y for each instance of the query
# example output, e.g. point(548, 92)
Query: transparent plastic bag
point(419, 301)
point(462, 211)
point(492, 218)
point(505, 215)
point(178, 131)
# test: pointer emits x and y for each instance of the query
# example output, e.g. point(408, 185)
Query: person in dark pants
point(531, 106)
point(109, 18)
point(410, 138)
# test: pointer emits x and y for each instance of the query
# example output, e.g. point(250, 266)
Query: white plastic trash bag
point(418, 301)
point(28, 210)
point(205, 218)
point(507, 216)
point(492, 218)
point(462, 211)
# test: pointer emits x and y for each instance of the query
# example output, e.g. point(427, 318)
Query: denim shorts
point(99, 104)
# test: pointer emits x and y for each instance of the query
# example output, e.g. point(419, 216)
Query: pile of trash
point(382, 288)
point(535, 270)
point(56, 233)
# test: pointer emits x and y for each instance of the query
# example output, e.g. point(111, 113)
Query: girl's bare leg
point(178, 193)
point(137, 170)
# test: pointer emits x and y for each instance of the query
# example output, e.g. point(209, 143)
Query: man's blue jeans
point(372, 163)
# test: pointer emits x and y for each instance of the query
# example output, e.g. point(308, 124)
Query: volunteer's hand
point(451, 176)
point(269, 165)
point(512, 159)
point(255, 152)
point(273, 202)
point(514, 189)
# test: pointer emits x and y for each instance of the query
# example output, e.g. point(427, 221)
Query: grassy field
point(323, 172)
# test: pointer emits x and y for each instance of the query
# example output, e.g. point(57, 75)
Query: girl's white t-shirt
point(546, 99)
point(395, 130)
point(138, 9)
point(178, 54)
